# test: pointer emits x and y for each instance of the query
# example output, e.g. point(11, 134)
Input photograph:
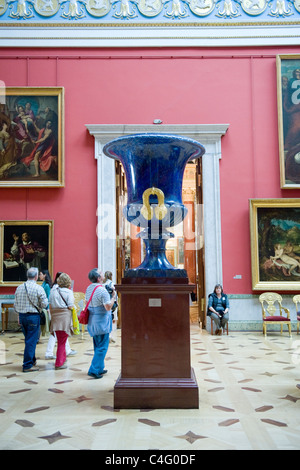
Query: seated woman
point(218, 308)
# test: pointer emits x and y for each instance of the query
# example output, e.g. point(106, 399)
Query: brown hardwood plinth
point(155, 358)
point(156, 393)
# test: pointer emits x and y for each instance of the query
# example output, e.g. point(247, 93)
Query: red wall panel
point(179, 86)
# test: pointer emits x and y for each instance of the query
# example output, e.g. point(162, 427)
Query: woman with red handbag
point(100, 321)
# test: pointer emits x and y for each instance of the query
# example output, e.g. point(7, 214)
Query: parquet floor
point(248, 386)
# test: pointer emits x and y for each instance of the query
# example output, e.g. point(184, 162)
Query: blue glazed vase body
point(154, 165)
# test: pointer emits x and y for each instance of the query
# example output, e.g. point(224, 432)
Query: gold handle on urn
point(160, 209)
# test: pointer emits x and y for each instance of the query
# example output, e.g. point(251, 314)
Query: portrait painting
point(288, 97)
point(25, 244)
point(275, 244)
point(31, 137)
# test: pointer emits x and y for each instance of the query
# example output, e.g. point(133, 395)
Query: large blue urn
point(154, 165)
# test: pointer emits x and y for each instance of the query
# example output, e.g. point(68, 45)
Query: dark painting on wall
point(24, 244)
point(32, 137)
point(288, 92)
point(275, 244)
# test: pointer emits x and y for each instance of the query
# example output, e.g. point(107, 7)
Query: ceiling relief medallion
point(3, 7)
point(254, 7)
point(297, 5)
point(150, 7)
point(46, 7)
point(202, 7)
point(98, 8)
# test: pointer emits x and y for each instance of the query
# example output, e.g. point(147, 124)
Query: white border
point(155, 36)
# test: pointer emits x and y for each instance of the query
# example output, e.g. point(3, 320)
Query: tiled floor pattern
point(248, 386)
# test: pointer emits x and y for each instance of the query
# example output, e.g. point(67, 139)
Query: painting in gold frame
point(24, 244)
point(275, 244)
point(32, 137)
point(288, 98)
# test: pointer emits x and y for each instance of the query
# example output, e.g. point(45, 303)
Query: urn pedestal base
point(156, 393)
point(155, 358)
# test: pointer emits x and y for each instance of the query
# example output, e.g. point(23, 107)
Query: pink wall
point(179, 86)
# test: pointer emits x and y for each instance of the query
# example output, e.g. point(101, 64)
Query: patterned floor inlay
point(191, 437)
point(249, 396)
point(36, 410)
point(229, 422)
point(262, 409)
point(24, 423)
point(54, 437)
point(81, 398)
point(149, 422)
point(104, 422)
point(289, 397)
point(251, 389)
point(275, 423)
point(223, 408)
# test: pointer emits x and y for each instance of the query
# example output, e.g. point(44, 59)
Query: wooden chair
point(296, 300)
point(212, 326)
point(79, 298)
point(270, 303)
point(4, 315)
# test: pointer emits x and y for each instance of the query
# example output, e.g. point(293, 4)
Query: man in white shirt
point(30, 298)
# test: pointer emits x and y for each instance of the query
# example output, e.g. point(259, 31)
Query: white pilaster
point(106, 209)
point(212, 215)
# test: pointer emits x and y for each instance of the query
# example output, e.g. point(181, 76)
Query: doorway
point(184, 251)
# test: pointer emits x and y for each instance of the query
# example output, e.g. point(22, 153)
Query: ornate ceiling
point(153, 22)
point(165, 11)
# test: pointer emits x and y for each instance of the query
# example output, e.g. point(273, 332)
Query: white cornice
point(204, 133)
point(58, 35)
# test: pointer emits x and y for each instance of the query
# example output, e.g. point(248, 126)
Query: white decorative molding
point(208, 135)
point(178, 35)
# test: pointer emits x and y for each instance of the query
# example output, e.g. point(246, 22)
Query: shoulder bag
point(84, 314)
point(76, 329)
point(40, 312)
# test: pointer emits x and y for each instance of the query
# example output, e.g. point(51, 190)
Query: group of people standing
point(31, 299)
point(58, 299)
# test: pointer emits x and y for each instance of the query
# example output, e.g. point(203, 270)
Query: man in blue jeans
point(29, 298)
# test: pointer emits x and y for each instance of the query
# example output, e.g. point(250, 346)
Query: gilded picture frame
point(24, 243)
point(288, 103)
point(275, 244)
point(32, 137)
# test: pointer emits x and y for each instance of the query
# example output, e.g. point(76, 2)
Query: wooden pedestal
point(155, 367)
